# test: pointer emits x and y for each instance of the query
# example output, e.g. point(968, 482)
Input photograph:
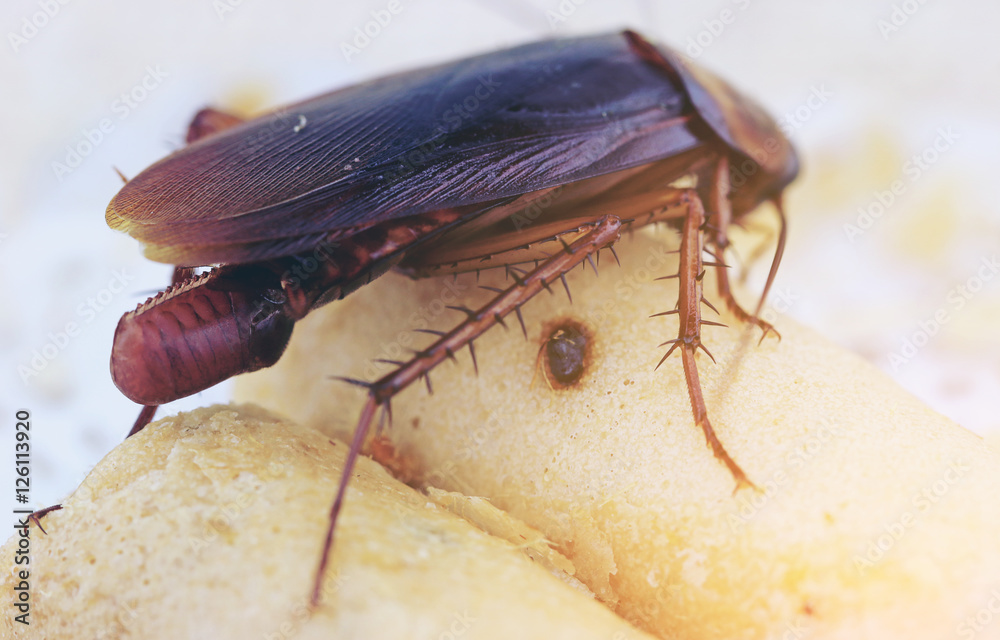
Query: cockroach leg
point(37, 516)
point(210, 121)
point(689, 303)
point(146, 415)
point(602, 234)
point(719, 221)
point(778, 251)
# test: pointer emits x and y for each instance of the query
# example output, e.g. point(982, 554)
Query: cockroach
point(440, 170)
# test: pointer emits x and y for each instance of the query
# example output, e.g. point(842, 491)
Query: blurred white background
point(864, 85)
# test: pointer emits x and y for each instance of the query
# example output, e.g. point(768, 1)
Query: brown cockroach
point(431, 171)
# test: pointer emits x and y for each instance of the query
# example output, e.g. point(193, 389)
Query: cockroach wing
point(739, 121)
point(476, 131)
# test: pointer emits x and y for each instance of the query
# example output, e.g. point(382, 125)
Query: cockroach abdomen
point(194, 336)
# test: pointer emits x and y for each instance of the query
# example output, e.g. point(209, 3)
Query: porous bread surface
point(209, 525)
point(876, 518)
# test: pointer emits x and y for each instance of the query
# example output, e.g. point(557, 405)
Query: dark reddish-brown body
point(535, 154)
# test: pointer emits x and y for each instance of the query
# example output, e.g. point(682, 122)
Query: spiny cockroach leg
point(520, 319)
point(689, 333)
point(472, 354)
point(500, 321)
point(708, 304)
point(37, 516)
point(725, 292)
point(602, 234)
point(721, 218)
point(566, 287)
point(701, 418)
point(665, 313)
